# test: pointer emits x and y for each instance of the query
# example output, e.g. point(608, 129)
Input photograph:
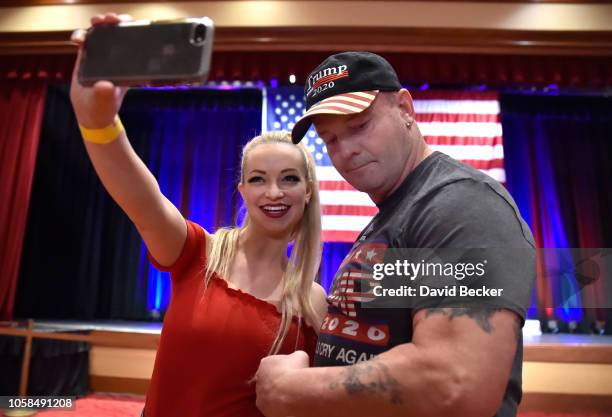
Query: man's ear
point(406, 104)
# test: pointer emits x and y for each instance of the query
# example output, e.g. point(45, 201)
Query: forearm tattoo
point(482, 316)
point(370, 377)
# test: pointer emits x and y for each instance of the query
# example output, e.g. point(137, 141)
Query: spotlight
point(552, 326)
point(599, 327)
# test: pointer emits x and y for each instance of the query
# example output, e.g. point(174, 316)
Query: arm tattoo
point(370, 377)
point(481, 316)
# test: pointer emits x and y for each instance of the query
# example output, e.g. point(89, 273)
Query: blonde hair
point(305, 254)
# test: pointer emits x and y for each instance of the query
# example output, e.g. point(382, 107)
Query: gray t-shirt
point(441, 204)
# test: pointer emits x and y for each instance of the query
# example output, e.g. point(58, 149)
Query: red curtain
point(494, 71)
point(21, 109)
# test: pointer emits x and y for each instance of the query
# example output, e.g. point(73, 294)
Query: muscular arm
point(457, 364)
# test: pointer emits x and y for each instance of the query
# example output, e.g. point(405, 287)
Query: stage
point(561, 372)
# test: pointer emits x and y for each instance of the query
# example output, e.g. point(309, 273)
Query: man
point(433, 356)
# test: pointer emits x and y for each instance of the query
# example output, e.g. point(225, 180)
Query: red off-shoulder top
point(212, 342)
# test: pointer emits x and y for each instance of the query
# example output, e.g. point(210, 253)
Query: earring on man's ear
point(408, 124)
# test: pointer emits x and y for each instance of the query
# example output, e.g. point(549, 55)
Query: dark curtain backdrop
point(21, 112)
point(331, 258)
point(558, 155)
point(82, 257)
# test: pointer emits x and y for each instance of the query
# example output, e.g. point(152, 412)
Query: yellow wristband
point(105, 135)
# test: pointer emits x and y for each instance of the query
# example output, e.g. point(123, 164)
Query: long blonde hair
point(305, 254)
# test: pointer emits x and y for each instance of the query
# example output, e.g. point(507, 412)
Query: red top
point(212, 342)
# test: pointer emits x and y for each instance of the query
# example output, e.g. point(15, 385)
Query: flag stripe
point(351, 198)
point(465, 141)
point(454, 95)
point(338, 185)
point(463, 128)
point(342, 210)
point(457, 106)
point(331, 109)
point(328, 173)
point(347, 223)
point(484, 164)
point(363, 99)
point(339, 236)
point(471, 152)
point(498, 174)
point(457, 117)
point(353, 105)
point(358, 296)
point(345, 106)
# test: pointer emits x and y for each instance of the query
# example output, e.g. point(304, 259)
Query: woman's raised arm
point(124, 175)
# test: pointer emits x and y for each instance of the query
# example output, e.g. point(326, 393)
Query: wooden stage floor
point(567, 373)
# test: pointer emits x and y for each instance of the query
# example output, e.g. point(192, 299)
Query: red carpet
point(538, 414)
point(123, 405)
point(102, 405)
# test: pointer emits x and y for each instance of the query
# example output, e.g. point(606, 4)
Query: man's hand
point(457, 364)
point(269, 377)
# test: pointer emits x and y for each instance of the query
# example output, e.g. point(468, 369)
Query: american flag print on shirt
point(463, 125)
point(354, 281)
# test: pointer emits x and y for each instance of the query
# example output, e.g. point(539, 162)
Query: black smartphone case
point(159, 53)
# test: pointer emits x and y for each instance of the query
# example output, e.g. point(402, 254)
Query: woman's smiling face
point(275, 188)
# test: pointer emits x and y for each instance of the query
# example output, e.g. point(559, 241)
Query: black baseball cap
point(345, 83)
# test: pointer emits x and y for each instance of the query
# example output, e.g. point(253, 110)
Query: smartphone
point(141, 53)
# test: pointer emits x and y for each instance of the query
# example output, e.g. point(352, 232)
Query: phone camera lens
point(199, 33)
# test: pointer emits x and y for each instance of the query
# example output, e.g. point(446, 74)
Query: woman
point(235, 296)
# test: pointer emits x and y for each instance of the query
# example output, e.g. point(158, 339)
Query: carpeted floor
point(538, 414)
point(102, 405)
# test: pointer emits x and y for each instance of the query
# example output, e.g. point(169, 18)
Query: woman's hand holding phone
point(95, 107)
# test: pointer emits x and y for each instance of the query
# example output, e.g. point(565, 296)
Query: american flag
point(463, 125)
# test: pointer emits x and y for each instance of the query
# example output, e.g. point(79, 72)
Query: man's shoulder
point(439, 172)
point(436, 190)
point(455, 182)
point(461, 200)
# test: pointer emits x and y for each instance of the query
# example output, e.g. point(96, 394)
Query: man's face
point(369, 149)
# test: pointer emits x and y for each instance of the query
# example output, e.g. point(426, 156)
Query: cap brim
point(341, 104)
